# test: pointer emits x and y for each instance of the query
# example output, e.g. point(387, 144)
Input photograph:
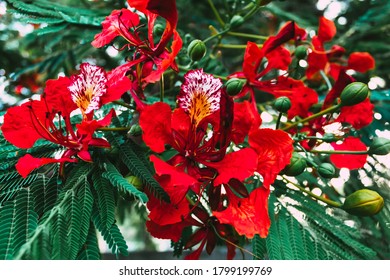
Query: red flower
point(302, 97)
point(49, 118)
point(331, 61)
point(125, 23)
point(349, 161)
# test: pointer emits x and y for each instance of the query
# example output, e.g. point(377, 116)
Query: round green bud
point(282, 104)
point(135, 130)
point(136, 182)
point(236, 21)
point(301, 52)
point(296, 166)
point(158, 29)
point(379, 146)
point(196, 50)
point(353, 94)
point(326, 170)
point(234, 86)
point(329, 138)
point(363, 202)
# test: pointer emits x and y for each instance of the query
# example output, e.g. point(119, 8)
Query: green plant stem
point(245, 35)
point(125, 128)
point(314, 116)
point(124, 104)
point(228, 46)
point(216, 13)
point(339, 152)
point(162, 88)
point(326, 79)
point(216, 35)
point(325, 200)
point(278, 121)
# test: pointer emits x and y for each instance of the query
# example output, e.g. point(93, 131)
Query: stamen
point(200, 95)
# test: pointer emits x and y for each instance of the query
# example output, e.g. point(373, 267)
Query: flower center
point(87, 87)
point(200, 95)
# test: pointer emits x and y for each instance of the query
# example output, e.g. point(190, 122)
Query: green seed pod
point(135, 130)
point(353, 94)
point(136, 182)
point(234, 86)
point(379, 146)
point(282, 104)
point(296, 166)
point(326, 170)
point(363, 202)
point(301, 52)
point(236, 21)
point(196, 50)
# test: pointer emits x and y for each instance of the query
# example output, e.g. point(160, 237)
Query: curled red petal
point(359, 115)
point(113, 24)
point(172, 231)
point(155, 121)
point(348, 160)
point(245, 119)
point(274, 149)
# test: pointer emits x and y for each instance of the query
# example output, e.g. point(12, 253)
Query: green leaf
point(104, 198)
point(116, 179)
point(90, 249)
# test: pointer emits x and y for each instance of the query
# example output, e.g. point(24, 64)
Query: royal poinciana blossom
point(151, 58)
point(49, 117)
point(201, 130)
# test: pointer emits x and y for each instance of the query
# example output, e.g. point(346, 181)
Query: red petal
point(167, 61)
point(172, 231)
point(285, 34)
point(347, 160)
point(361, 61)
point(248, 216)
point(252, 58)
point(326, 30)
point(239, 165)
point(359, 115)
point(58, 97)
point(178, 182)
point(155, 121)
point(28, 163)
point(113, 24)
point(245, 119)
point(274, 149)
point(19, 128)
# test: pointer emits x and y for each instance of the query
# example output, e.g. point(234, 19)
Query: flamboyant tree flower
point(332, 61)
point(49, 117)
point(155, 58)
point(277, 58)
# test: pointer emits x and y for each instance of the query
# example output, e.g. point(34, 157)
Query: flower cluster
point(211, 154)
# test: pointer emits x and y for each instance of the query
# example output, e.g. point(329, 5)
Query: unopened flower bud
point(353, 94)
point(136, 182)
point(234, 86)
point(196, 50)
point(296, 166)
point(379, 146)
point(301, 52)
point(158, 29)
point(326, 170)
point(135, 130)
point(236, 21)
point(282, 104)
point(363, 202)
point(329, 138)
